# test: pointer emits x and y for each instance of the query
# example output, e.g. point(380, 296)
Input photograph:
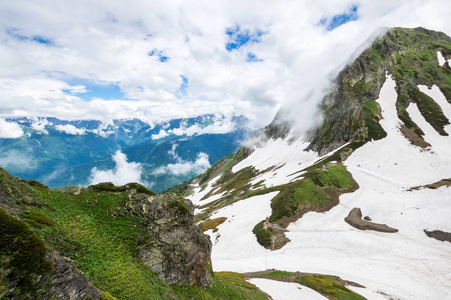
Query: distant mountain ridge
point(61, 152)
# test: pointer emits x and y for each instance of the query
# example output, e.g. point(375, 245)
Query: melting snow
point(441, 59)
point(285, 290)
point(403, 265)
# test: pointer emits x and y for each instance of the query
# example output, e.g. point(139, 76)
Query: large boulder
point(175, 249)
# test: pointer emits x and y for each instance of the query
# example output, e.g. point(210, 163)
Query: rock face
point(28, 269)
point(176, 249)
point(355, 220)
point(66, 282)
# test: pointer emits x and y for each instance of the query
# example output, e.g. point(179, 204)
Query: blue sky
point(337, 20)
point(94, 90)
point(166, 60)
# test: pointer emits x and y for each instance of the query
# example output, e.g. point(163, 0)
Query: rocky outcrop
point(67, 282)
point(28, 269)
point(176, 249)
point(355, 220)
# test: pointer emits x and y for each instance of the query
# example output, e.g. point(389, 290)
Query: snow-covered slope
point(404, 265)
point(398, 151)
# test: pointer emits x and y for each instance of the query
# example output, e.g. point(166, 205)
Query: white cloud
point(39, 125)
point(160, 135)
point(9, 130)
point(16, 161)
point(200, 165)
point(123, 173)
point(70, 129)
point(109, 42)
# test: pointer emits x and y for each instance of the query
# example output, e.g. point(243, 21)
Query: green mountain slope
point(103, 231)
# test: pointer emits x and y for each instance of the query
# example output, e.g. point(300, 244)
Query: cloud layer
point(123, 173)
point(182, 167)
point(9, 130)
point(159, 60)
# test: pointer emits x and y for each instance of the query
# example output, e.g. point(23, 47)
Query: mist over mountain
point(61, 153)
point(362, 194)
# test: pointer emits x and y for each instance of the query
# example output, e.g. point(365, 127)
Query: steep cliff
point(176, 249)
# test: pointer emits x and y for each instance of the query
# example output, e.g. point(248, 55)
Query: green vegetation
point(181, 189)
point(421, 67)
point(181, 207)
point(263, 235)
point(409, 55)
point(328, 286)
point(92, 228)
point(318, 190)
point(373, 106)
point(37, 219)
point(22, 255)
point(232, 160)
point(332, 287)
point(212, 224)
point(106, 296)
point(109, 187)
point(228, 285)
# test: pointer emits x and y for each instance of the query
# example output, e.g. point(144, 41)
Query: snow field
point(441, 59)
point(285, 290)
point(287, 158)
point(403, 265)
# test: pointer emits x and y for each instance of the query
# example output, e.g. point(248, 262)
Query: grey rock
point(175, 249)
point(67, 282)
point(355, 220)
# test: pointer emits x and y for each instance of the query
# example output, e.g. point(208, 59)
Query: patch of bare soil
point(435, 185)
point(439, 235)
point(413, 137)
point(355, 220)
point(278, 238)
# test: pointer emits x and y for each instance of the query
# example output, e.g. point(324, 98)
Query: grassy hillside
point(92, 228)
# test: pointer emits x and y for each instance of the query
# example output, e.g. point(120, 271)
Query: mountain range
point(356, 207)
point(61, 153)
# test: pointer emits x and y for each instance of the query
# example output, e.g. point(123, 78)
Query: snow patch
point(279, 290)
point(285, 158)
point(234, 241)
point(438, 97)
point(441, 59)
point(198, 193)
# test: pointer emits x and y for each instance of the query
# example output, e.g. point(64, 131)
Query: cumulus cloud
point(39, 125)
point(174, 59)
point(220, 125)
point(160, 135)
point(70, 129)
point(123, 173)
point(9, 130)
point(200, 165)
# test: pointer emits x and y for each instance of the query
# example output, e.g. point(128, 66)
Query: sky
point(160, 60)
